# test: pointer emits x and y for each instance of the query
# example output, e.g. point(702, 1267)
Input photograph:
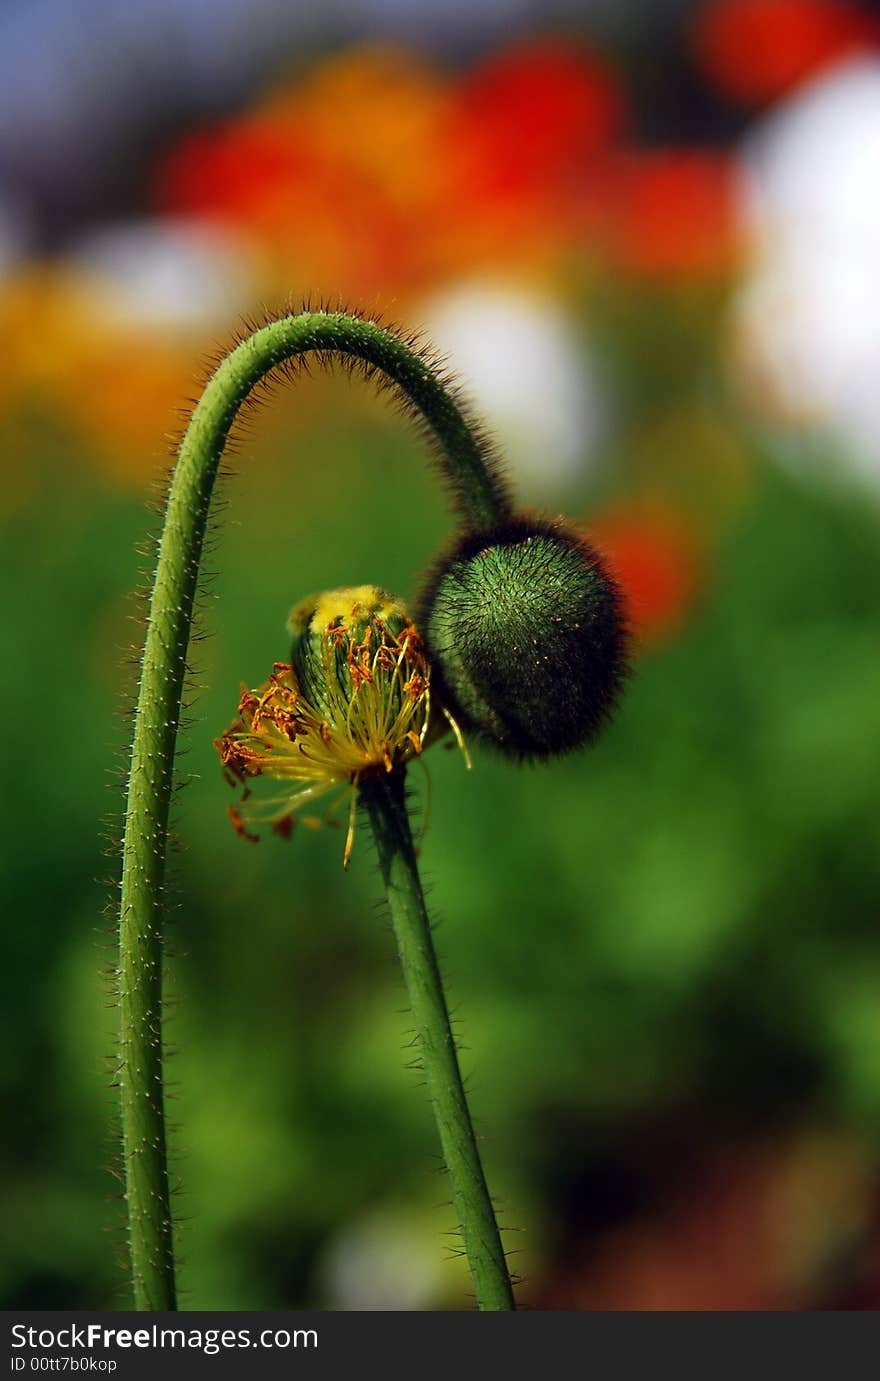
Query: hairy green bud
point(525, 631)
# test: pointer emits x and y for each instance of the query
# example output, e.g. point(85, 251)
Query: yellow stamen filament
point(375, 717)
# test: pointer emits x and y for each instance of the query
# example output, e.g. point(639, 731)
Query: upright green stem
point(480, 498)
point(384, 799)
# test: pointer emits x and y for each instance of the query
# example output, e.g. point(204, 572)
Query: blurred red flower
point(526, 128)
point(531, 115)
point(334, 176)
point(230, 171)
point(781, 1223)
point(376, 173)
point(654, 553)
point(668, 212)
point(756, 50)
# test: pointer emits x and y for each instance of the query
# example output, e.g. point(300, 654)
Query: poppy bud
point(525, 631)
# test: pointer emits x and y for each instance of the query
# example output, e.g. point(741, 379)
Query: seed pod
point(353, 703)
point(526, 635)
point(336, 639)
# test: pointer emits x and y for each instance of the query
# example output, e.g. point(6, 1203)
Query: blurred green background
point(663, 955)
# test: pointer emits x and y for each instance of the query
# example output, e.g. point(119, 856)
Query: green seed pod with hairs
point(525, 630)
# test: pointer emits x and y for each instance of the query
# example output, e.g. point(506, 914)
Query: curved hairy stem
point(481, 499)
point(384, 799)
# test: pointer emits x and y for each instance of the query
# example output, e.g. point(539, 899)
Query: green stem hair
point(385, 802)
point(480, 497)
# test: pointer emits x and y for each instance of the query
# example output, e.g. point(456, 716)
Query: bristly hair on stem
point(480, 498)
point(384, 798)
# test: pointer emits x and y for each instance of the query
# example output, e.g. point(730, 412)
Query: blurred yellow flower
point(114, 349)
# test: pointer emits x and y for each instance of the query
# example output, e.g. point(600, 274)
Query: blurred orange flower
point(756, 50)
point(121, 390)
point(128, 396)
point(670, 212)
point(335, 176)
point(379, 175)
point(35, 360)
point(654, 553)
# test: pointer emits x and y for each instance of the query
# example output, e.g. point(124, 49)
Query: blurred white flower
point(808, 316)
point(381, 1263)
point(165, 274)
point(526, 366)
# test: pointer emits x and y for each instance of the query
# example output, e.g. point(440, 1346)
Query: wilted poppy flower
point(354, 701)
